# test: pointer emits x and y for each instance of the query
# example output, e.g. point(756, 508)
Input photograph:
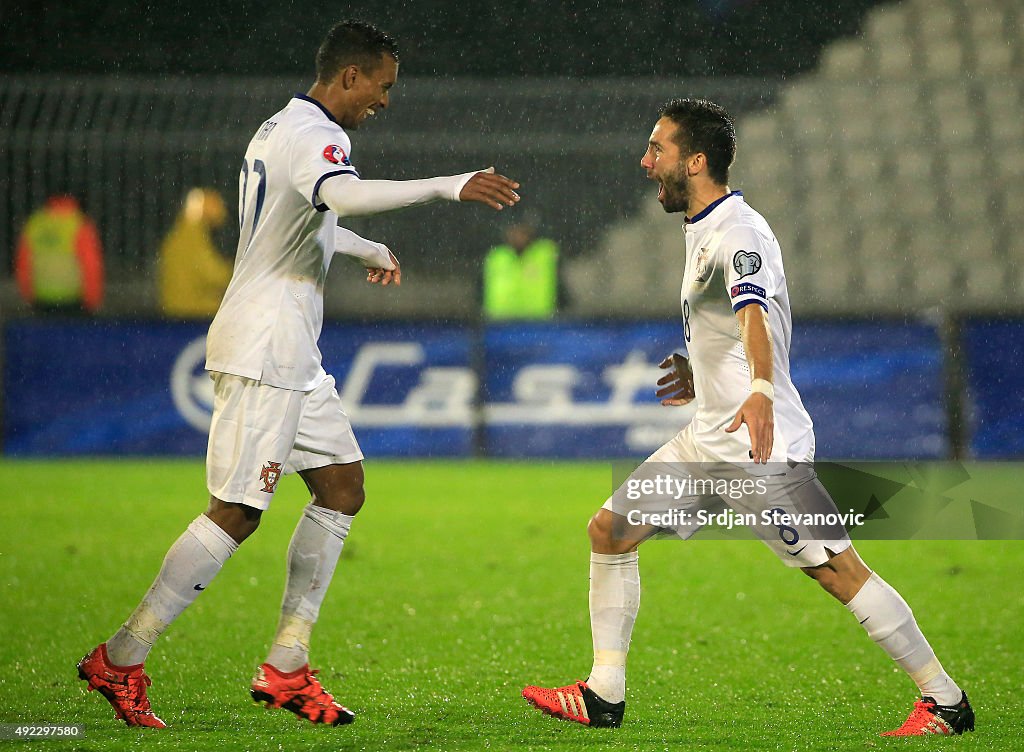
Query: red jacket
point(59, 259)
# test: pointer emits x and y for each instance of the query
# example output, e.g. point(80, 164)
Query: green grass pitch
point(461, 582)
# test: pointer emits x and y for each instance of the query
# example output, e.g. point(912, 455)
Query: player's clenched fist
point(487, 187)
point(385, 276)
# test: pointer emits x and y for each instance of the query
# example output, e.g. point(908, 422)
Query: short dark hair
point(352, 43)
point(704, 127)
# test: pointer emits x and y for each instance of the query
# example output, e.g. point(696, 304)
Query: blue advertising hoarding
point(89, 387)
point(559, 389)
point(995, 381)
point(578, 390)
point(874, 389)
point(93, 387)
point(408, 389)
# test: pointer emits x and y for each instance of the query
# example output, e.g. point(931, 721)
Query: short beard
point(677, 191)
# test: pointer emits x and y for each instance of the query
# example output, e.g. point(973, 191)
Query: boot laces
point(316, 699)
point(920, 716)
point(133, 692)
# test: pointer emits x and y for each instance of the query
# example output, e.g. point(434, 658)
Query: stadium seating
point(892, 174)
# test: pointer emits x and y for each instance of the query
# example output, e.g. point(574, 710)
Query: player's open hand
point(677, 384)
point(487, 187)
point(759, 415)
point(385, 276)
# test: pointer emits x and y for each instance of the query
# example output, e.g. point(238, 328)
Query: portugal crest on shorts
point(270, 475)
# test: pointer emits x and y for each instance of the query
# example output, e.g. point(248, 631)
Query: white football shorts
point(259, 432)
point(680, 486)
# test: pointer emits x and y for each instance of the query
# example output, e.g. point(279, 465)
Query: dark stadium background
point(487, 38)
point(905, 332)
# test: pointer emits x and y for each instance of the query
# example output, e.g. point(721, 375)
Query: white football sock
point(614, 602)
point(191, 563)
point(890, 622)
point(312, 557)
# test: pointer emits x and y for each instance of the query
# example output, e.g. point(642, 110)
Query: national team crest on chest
point(701, 273)
point(270, 475)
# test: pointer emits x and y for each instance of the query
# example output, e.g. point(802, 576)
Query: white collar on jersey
point(710, 208)
point(317, 104)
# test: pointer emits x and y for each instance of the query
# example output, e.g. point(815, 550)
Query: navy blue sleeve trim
point(322, 207)
point(742, 303)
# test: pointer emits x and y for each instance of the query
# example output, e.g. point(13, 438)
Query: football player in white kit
point(276, 410)
point(736, 324)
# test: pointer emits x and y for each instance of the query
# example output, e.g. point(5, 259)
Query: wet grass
point(460, 584)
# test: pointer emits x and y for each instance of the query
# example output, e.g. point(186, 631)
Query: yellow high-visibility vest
point(521, 286)
point(56, 274)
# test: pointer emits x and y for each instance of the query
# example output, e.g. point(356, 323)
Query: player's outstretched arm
point(757, 411)
point(348, 196)
point(677, 384)
point(487, 187)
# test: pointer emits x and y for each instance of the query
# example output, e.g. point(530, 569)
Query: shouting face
point(665, 163)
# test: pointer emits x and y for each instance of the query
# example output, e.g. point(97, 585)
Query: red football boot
point(928, 717)
point(300, 692)
point(123, 686)
point(576, 702)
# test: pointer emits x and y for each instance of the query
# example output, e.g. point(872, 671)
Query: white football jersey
point(732, 260)
point(270, 319)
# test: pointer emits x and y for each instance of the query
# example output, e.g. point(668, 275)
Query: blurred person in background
point(59, 260)
point(192, 273)
point(521, 276)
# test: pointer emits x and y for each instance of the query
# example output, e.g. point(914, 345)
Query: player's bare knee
point(237, 520)
point(347, 498)
point(850, 574)
point(337, 487)
point(601, 531)
point(849, 564)
point(824, 575)
point(849, 581)
point(841, 584)
point(355, 498)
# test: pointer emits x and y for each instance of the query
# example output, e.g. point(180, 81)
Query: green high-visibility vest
point(521, 286)
point(56, 275)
